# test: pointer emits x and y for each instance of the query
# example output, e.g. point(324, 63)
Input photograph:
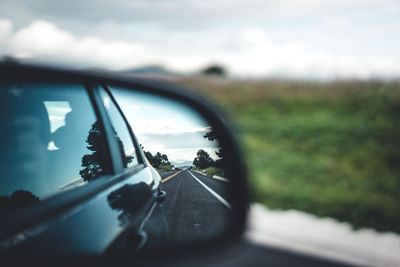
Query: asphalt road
point(197, 206)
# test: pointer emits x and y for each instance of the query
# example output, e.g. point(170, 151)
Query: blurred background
point(312, 86)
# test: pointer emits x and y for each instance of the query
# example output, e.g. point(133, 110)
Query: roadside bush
point(210, 171)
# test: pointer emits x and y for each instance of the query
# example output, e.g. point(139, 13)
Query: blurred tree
point(214, 69)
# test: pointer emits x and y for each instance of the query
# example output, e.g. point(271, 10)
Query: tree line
point(159, 161)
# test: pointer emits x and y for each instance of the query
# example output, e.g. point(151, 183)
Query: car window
point(51, 141)
point(121, 131)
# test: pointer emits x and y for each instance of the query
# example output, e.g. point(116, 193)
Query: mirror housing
point(233, 164)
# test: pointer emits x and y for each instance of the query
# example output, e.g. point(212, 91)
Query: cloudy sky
point(259, 38)
point(165, 126)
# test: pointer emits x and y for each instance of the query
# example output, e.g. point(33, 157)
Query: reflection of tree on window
point(125, 158)
point(18, 199)
point(129, 199)
point(94, 163)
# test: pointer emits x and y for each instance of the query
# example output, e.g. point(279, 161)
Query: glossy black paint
point(91, 226)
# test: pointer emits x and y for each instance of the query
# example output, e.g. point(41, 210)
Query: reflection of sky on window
point(57, 111)
point(166, 126)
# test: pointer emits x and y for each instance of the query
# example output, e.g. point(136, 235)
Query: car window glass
point(50, 139)
point(121, 131)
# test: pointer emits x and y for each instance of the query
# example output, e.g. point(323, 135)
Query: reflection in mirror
point(50, 139)
point(183, 148)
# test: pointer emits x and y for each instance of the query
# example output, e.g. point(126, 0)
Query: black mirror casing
point(233, 163)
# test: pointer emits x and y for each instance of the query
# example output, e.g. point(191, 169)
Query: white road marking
point(221, 199)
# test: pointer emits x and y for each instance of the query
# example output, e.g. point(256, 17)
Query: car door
point(88, 189)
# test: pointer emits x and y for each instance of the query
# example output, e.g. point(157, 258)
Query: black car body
point(74, 179)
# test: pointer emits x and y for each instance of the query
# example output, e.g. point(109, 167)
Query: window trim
point(138, 153)
point(117, 165)
point(110, 168)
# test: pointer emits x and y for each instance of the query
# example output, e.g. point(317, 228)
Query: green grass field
point(331, 149)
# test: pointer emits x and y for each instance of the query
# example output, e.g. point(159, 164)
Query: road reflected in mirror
point(185, 151)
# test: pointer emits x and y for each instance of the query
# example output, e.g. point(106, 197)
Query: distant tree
point(149, 156)
point(215, 69)
point(203, 160)
point(164, 159)
point(158, 159)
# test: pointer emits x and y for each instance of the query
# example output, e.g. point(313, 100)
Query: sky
point(165, 126)
point(314, 39)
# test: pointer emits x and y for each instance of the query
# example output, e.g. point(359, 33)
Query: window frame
point(41, 213)
point(139, 155)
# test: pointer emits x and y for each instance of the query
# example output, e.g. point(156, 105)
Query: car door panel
point(92, 227)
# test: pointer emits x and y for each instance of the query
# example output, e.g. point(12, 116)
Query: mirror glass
point(184, 149)
point(53, 139)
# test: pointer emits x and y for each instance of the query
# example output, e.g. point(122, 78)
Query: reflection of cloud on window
point(51, 146)
point(133, 108)
point(73, 183)
point(57, 118)
point(106, 102)
point(130, 152)
point(57, 110)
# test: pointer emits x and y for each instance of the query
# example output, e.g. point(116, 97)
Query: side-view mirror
point(95, 164)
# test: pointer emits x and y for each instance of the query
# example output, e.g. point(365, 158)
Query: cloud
point(179, 145)
point(163, 125)
point(42, 39)
point(5, 29)
point(250, 51)
point(176, 141)
point(173, 13)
